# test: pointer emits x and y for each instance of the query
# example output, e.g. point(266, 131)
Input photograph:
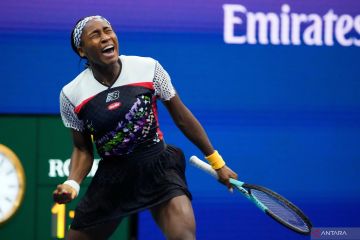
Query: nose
point(104, 37)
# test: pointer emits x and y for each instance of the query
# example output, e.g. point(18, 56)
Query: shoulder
point(138, 69)
point(138, 59)
point(138, 62)
point(70, 89)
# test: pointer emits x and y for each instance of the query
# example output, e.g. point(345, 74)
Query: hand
point(224, 174)
point(64, 194)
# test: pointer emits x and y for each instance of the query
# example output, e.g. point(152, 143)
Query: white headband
point(80, 26)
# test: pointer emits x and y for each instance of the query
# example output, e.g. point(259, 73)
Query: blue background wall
point(286, 117)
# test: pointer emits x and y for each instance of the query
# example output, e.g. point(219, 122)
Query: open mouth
point(108, 50)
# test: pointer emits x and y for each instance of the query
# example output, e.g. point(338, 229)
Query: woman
point(114, 101)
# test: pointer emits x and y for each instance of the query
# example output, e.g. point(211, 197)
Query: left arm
point(189, 125)
point(193, 130)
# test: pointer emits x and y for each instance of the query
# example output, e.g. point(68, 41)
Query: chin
point(111, 61)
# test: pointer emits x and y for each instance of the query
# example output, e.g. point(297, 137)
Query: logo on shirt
point(114, 105)
point(112, 96)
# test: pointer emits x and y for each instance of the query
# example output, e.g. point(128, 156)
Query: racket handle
point(195, 161)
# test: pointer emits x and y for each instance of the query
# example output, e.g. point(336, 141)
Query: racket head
point(280, 209)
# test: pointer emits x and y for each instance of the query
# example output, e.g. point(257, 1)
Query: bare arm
point(189, 125)
point(193, 130)
point(82, 156)
point(81, 162)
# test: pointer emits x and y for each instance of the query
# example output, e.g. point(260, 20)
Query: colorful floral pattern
point(139, 126)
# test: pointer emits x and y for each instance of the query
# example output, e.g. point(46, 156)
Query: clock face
point(12, 184)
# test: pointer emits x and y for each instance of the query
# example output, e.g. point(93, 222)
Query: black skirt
point(126, 185)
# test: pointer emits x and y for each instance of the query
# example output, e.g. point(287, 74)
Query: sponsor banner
point(60, 168)
point(287, 27)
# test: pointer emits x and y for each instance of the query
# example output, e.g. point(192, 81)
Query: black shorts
point(127, 185)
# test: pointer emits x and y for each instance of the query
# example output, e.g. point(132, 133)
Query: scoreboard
point(43, 146)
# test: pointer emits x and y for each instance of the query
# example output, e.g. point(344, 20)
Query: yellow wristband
point(215, 160)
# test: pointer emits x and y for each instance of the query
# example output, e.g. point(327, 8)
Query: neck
point(106, 75)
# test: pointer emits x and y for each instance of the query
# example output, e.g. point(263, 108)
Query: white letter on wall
point(56, 168)
point(313, 33)
point(357, 28)
point(342, 27)
point(229, 23)
point(329, 19)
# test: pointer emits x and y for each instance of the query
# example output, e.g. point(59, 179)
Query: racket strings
point(280, 209)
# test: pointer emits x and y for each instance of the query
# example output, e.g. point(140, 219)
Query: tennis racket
point(271, 203)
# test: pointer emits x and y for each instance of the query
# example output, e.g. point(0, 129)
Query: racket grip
point(195, 161)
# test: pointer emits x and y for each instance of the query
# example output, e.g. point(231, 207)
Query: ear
point(81, 52)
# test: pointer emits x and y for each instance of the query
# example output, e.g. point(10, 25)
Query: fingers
point(225, 173)
point(224, 179)
point(63, 194)
point(234, 175)
point(62, 198)
point(227, 183)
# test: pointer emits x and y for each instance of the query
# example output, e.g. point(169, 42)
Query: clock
point(12, 183)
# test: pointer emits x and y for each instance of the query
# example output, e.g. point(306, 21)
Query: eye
point(94, 35)
point(108, 30)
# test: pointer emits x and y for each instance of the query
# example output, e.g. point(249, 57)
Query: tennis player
point(114, 100)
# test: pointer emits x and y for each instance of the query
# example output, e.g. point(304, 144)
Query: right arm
point(81, 162)
point(82, 156)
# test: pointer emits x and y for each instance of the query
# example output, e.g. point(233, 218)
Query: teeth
point(108, 47)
